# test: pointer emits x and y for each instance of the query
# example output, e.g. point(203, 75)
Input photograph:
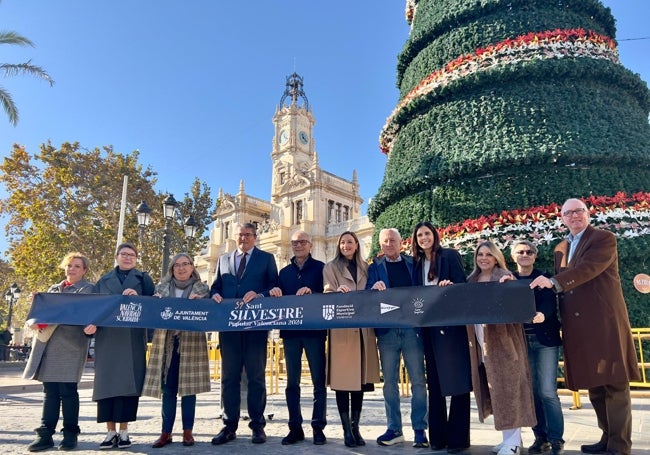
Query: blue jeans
point(314, 347)
point(169, 397)
point(407, 343)
point(543, 368)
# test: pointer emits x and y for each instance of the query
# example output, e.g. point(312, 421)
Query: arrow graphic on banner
point(386, 308)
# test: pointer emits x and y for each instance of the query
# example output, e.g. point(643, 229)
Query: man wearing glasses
point(247, 273)
point(543, 342)
point(599, 351)
point(303, 276)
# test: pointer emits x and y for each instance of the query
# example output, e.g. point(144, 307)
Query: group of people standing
point(511, 368)
point(178, 362)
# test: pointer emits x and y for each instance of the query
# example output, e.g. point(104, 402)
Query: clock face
point(303, 137)
point(284, 136)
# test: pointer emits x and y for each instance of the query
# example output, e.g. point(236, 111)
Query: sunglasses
point(526, 252)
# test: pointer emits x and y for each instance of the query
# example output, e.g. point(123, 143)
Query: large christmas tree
point(507, 108)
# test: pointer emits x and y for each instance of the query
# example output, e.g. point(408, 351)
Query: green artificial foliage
point(512, 105)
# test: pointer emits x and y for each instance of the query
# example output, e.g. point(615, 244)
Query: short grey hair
point(385, 230)
point(528, 243)
point(301, 233)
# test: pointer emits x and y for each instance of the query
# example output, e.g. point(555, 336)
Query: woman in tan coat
point(353, 362)
point(499, 357)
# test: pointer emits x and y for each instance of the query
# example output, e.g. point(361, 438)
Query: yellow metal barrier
point(274, 354)
point(214, 357)
point(638, 335)
point(276, 369)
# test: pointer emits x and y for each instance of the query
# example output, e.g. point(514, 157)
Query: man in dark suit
point(247, 273)
point(599, 351)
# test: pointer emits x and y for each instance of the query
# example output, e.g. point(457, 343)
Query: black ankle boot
point(348, 437)
point(356, 415)
point(69, 441)
point(43, 439)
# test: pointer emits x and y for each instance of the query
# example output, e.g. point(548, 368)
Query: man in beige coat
point(599, 351)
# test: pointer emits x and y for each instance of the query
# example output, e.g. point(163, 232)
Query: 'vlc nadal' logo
point(130, 312)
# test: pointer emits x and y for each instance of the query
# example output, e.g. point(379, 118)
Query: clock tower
point(303, 196)
point(293, 144)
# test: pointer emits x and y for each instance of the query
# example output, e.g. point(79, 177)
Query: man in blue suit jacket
point(247, 273)
point(396, 270)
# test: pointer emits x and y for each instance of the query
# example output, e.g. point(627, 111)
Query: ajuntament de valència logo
point(167, 313)
point(252, 314)
point(183, 315)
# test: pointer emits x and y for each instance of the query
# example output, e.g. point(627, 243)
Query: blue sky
point(193, 85)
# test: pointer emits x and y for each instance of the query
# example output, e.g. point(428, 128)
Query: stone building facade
point(303, 196)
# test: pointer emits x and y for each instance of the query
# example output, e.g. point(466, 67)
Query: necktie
point(242, 266)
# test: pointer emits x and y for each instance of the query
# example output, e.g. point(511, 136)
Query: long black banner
point(417, 306)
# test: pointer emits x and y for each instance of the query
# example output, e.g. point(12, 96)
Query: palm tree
point(10, 69)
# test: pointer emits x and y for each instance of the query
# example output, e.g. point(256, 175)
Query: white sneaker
point(509, 450)
point(497, 447)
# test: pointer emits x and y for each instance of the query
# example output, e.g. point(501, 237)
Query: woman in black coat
point(120, 353)
point(446, 348)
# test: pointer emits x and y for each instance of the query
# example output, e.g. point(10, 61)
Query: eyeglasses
point(526, 252)
point(299, 242)
point(246, 234)
point(178, 265)
point(569, 213)
point(128, 255)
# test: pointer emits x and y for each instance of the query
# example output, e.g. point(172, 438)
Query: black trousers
point(60, 397)
point(117, 409)
point(243, 351)
point(447, 430)
point(613, 407)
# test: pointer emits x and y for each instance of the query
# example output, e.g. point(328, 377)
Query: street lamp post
point(169, 207)
point(169, 210)
point(11, 296)
point(144, 218)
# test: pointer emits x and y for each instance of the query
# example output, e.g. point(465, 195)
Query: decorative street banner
point(417, 306)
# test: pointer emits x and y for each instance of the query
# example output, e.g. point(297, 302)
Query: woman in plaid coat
point(178, 363)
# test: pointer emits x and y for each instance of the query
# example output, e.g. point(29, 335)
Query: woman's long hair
point(418, 252)
point(496, 252)
point(341, 262)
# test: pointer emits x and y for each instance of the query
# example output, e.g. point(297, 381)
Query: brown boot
point(188, 439)
point(163, 440)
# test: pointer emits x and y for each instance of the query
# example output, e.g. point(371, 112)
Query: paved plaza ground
point(20, 409)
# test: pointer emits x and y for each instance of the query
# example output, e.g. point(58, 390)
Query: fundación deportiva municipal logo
point(328, 312)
